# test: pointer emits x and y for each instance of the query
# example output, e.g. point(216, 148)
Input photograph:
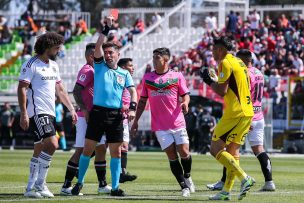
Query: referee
point(106, 115)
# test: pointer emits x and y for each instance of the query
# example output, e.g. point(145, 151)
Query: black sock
point(177, 171)
point(100, 168)
point(187, 163)
point(265, 165)
point(224, 175)
point(70, 173)
point(124, 160)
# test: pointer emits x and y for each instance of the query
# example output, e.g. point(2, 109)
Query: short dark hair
point(162, 51)
point(46, 41)
point(245, 54)
point(123, 61)
point(89, 48)
point(110, 44)
point(224, 41)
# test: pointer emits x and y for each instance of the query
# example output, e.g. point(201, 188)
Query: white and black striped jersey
point(42, 78)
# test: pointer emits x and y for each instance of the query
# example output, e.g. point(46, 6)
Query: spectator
point(81, 27)
point(254, 19)
point(211, 22)
point(139, 26)
point(7, 117)
point(232, 21)
point(5, 34)
point(298, 63)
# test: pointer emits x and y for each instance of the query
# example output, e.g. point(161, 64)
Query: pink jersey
point(85, 79)
point(256, 89)
point(126, 98)
point(163, 92)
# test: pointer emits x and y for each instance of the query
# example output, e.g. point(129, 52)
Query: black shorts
point(59, 127)
point(42, 126)
point(105, 121)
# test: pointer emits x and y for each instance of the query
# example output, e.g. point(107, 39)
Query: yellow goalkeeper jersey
point(237, 101)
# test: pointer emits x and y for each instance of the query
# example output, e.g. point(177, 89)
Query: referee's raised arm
point(102, 37)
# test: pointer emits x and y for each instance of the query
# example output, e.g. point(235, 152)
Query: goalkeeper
point(231, 131)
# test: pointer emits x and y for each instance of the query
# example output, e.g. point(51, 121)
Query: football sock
point(265, 166)
point(70, 173)
point(84, 162)
point(230, 177)
point(44, 164)
point(186, 163)
point(34, 169)
point(224, 175)
point(230, 163)
point(124, 160)
point(100, 168)
point(177, 171)
point(115, 166)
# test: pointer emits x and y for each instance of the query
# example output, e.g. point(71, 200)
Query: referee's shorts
point(105, 121)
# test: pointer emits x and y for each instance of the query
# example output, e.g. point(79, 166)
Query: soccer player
point(83, 94)
point(59, 124)
point(127, 64)
point(164, 87)
point(106, 114)
point(256, 133)
point(231, 130)
point(39, 80)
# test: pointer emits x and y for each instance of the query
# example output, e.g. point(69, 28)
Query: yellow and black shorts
point(232, 130)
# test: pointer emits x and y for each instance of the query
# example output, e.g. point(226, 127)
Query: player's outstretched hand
point(208, 75)
point(134, 129)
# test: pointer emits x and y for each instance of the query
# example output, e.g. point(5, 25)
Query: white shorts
point(256, 133)
point(81, 128)
point(167, 137)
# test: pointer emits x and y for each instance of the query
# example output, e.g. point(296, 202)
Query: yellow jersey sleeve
point(224, 71)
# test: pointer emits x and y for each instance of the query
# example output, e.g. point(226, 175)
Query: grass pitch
point(155, 182)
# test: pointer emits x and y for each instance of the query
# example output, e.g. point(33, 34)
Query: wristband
point(133, 106)
point(106, 30)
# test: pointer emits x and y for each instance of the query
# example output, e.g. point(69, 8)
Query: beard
point(53, 57)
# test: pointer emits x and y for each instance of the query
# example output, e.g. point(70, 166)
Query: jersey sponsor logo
point(120, 80)
point(49, 78)
point(166, 92)
point(82, 77)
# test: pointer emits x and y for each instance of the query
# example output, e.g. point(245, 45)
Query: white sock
point(44, 164)
point(34, 169)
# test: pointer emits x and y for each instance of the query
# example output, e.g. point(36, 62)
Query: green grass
point(155, 181)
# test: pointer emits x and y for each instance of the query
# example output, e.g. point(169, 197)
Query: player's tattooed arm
point(140, 108)
point(78, 97)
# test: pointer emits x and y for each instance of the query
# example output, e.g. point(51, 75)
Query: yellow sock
point(231, 164)
point(230, 177)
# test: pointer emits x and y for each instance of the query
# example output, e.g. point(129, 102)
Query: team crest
point(54, 69)
point(82, 77)
point(160, 81)
point(221, 75)
point(120, 80)
point(23, 70)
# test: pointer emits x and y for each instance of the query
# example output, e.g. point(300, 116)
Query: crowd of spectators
point(277, 43)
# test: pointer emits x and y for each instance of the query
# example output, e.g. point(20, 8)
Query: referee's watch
point(133, 106)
